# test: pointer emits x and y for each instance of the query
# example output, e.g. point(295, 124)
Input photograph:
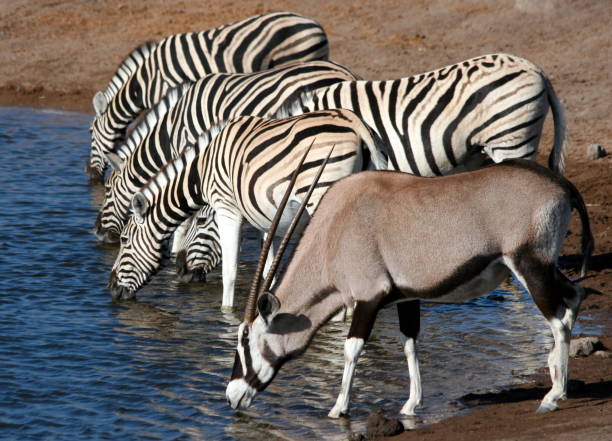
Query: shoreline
point(78, 46)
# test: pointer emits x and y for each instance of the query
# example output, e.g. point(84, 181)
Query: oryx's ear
point(115, 161)
point(267, 305)
point(139, 206)
point(99, 103)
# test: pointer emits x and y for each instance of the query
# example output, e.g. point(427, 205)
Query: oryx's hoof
point(336, 412)
point(547, 407)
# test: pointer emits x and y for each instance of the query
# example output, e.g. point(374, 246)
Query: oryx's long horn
point(293, 225)
point(249, 310)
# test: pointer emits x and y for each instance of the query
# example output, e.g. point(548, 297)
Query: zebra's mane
point(295, 105)
point(152, 117)
point(174, 167)
point(127, 67)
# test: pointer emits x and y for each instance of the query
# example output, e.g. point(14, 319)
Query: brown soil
point(58, 54)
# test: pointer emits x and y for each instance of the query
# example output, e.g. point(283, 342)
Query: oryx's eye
point(124, 239)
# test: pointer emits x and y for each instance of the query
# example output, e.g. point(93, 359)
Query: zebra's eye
point(124, 239)
point(201, 221)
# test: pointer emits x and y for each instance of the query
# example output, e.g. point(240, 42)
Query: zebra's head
point(198, 250)
point(260, 353)
point(141, 253)
point(114, 210)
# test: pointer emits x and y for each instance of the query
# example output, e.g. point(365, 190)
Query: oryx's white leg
point(361, 327)
point(557, 365)
point(229, 236)
point(352, 348)
point(409, 318)
point(559, 300)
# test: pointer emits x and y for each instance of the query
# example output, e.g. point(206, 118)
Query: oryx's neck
point(307, 293)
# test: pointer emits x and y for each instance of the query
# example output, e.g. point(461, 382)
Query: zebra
point(143, 131)
point(241, 169)
point(253, 44)
point(125, 70)
point(213, 98)
point(198, 248)
point(442, 121)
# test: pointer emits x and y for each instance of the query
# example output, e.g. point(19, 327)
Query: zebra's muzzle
point(96, 176)
point(103, 234)
point(119, 292)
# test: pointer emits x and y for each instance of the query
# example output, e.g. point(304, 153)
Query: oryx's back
point(426, 229)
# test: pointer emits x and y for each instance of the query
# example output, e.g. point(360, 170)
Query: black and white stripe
point(256, 43)
point(213, 98)
point(242, 174)
point(442, 121)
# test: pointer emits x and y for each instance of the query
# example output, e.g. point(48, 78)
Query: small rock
point(378, 425)
point(595, 151)
point(356, 437)
point(583, 347)
point(603, 354)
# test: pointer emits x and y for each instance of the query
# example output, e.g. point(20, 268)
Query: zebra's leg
point(269, 257)
point(361, 327)
point(229, 235)
point(409, 314)
point(558, 300)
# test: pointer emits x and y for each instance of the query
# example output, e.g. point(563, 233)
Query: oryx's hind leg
point(409, 321)
point(559, 300)
point(364, 316)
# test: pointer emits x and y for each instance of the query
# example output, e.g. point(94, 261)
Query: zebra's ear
point(115, 161)
point(140, 206)
point(267, 305)
point(99, 103)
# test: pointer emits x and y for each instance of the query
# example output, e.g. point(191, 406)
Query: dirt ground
point(58, 54)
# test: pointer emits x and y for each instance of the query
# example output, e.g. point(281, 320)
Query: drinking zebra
point(216, 97)
point(442, 121)
point(242, 174)
point(256, 43)
point(125, 70)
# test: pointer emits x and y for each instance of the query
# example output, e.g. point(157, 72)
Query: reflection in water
point(76, 366)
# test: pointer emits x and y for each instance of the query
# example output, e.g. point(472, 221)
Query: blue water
point(73, 365)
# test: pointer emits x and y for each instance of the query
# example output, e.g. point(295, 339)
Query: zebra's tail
point(556, 160)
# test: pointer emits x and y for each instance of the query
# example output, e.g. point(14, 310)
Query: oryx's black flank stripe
point(251, 45)
point(436, 121)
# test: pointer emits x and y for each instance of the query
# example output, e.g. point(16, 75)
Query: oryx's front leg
point(361, 327)
point(229, 236)
point(409, 321)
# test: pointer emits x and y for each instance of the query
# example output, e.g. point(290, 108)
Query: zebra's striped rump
point(241, 174)
point(438, 122)
point(250, 45)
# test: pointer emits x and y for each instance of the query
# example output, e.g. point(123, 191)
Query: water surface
point(73, 365)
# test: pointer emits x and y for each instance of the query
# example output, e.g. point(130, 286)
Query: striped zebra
point(125, 70)
point(242, 173)
point(444, 120)
point(256, 43)
point(214, 98)
point(198, 247)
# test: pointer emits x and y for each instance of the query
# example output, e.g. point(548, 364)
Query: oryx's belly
point(487, 280)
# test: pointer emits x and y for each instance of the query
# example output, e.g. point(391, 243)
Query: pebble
point(595, 151)
point(585, 346)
